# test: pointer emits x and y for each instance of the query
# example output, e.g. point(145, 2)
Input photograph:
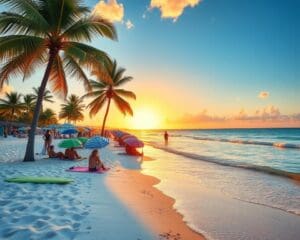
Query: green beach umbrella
point(69, 143)
point(83, 140)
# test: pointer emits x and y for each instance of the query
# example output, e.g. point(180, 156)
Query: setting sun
point(145, 119)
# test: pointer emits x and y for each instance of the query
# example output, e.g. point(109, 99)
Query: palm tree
point(28, 102)
point(73, 109)
point(49, 33)
point(47, 97)
point(106, 89)
point(47, 117)
point(11, 107)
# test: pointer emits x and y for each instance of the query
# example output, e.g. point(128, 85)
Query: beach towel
point(85, 169)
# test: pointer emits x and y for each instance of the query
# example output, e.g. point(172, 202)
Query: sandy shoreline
point(150, 205)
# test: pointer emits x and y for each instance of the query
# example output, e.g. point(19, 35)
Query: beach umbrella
point(96, 142)
point(69, 143)
point(52, 126)
point(69, 131)
point(67, 125)
point(119, 133)
point(24, 129)
point(83, 140)
point(134, 142)
point(126, 136)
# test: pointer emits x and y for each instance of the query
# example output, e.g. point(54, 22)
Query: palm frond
point(125, 93)
point(123, 81)
point(122, 105)
point(58, 78)
point(74, 70)
point(23, 64)
point(29, 9)
point(16, 23)
point(97, 104)
point(84, 29)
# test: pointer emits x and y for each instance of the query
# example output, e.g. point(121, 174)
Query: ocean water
point(231, 184)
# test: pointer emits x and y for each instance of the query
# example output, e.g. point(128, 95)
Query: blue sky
point(218, 55)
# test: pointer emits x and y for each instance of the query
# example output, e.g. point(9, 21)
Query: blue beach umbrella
point(52, 126)
point(67, 125)
point(69, 131)
point(96, 142)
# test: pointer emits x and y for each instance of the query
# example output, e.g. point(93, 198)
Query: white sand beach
point(88, 208)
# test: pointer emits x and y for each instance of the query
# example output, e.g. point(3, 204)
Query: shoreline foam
point(228, 163)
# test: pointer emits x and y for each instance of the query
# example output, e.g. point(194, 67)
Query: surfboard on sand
point(39, 180)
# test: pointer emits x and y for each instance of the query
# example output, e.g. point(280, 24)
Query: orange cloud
point(5, 89)
point(110, 10)
point(172, 8)
point(267, 116)
point(263, 94)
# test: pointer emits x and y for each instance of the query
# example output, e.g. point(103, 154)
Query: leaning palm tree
point(47, 117)
point(47, 97)
point(11, 107)
point(106, 88)
point(50, 33)
point(73, 109)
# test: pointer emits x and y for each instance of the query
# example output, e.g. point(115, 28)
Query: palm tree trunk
point(29, 155)
point(105, 117)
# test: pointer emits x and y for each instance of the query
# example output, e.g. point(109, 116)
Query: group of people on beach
point(95, 164)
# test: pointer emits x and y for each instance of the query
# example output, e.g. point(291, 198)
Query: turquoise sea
point(228, 183)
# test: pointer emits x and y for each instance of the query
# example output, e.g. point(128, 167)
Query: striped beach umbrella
point(69, 131)
point(96, 142)
point(134, 142)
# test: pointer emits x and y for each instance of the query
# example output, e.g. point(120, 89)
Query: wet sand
point(150, 205)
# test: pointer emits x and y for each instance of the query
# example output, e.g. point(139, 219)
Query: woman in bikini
point(95, 163)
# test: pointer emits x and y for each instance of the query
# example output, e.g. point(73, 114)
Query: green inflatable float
point(39, 180)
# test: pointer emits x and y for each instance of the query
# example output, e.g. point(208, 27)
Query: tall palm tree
point(11, 107)
point(49, 33)
point(73, 109)
point(47, 117)
point(47, 97)
point(106, 88)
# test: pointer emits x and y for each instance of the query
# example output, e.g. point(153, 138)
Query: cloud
point(172, 8)
point(270, 113)
point(110, 10)
point(203, 116)
point(263, 95)
point(5, 89)
point(129, 24)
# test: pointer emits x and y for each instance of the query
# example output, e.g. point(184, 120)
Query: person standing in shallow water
point(166, 137)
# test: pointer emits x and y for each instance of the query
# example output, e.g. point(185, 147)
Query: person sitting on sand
point(53, 154)
point(95, 163)
point(71, 154)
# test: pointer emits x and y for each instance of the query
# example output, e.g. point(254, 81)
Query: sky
point(201, 64)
